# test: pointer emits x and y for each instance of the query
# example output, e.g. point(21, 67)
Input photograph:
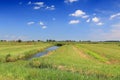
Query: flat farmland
point(68, 62)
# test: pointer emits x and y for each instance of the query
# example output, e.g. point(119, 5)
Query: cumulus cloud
point(100, 24)
point(74, 22)
point(42, 25)
point(85, 16)
point(39, 5)
point(82, 14)
point(114, 16)
point(31, 23)
point(95, 19)
point(36, 7)
point(70, 1)
point(52, 7)
point(78, 13)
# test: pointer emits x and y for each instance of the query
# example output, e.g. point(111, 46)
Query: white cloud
point(31, 23)
point(74, 22)
point(44, 27)
point(52, 7)
point(70, 1)
point(95, 19)
point(78, 13)
point(36, 7)
point(88, 21)
point(100, 24)
point(114, 16)
point(39, 3)
point(41, 23)
point(85, 16)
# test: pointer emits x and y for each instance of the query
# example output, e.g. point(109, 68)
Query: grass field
point(12, 51)
point(69, 62)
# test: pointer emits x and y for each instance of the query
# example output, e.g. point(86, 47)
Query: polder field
point(73, 61)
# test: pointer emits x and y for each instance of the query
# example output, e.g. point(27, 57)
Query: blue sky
point(60, 19)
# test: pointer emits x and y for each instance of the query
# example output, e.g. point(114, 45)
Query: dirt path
point(79, 52)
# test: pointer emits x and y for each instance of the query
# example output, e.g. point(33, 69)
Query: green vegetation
point(12, 51)
point(73, 61)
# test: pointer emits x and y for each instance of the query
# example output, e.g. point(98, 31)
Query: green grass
point(69, 62)
point(13, 52)
point(93, 54)
point(109, 51)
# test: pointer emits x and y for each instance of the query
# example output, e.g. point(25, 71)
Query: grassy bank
point(10, 52)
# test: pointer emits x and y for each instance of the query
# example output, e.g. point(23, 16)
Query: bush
point(59, 44)
point(10, 58)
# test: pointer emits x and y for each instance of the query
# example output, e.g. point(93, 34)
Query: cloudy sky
point(60, 19)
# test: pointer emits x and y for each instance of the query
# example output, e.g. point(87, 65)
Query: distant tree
point(50, 40)
point(47, 40)
point(19, 40)
point(3, 41)
point(39, 40)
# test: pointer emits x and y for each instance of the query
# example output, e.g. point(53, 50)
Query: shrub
point(10, 58)
point(59, 44)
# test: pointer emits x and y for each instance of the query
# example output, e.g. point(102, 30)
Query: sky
point(60, 19)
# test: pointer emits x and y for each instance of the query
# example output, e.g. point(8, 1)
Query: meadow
point(73, 61)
